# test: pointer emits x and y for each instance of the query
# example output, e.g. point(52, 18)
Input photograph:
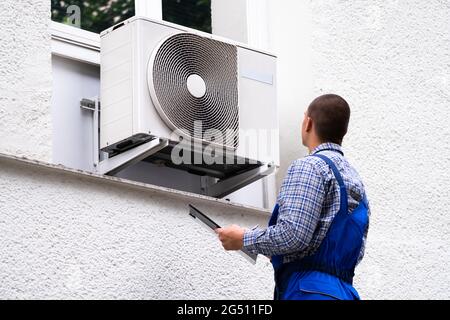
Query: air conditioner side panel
point(116, 87)
point(258, 115)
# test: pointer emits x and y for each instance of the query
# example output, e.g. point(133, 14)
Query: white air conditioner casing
point(246, 86)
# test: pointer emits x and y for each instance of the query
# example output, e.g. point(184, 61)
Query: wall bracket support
point(110, 166)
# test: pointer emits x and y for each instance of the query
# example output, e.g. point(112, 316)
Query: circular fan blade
point(193, 78)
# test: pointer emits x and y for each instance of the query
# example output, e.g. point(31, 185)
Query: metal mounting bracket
point(223, 188)
point(119, 162)
point(210, 186)
point(101, 162)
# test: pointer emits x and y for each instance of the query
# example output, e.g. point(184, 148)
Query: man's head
point(326, 120)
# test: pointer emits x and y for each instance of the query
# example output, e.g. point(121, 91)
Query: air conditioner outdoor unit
point(158, 77)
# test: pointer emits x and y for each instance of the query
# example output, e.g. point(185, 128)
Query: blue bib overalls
point(328, 273)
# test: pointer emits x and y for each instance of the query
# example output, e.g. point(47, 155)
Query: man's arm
point(301, 198)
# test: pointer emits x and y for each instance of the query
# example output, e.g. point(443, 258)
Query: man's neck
point(313, 145)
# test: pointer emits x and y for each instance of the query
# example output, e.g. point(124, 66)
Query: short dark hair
point(330, 114)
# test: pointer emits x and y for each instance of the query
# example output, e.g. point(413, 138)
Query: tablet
point(211, 225)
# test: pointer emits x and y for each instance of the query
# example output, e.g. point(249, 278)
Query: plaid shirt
point(309, 200)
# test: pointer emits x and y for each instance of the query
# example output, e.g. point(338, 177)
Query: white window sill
point(81, 45)
point(74, 43)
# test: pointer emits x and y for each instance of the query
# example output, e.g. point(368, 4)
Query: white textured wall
point(25, 78)
point(64, 235)
point(391, 61)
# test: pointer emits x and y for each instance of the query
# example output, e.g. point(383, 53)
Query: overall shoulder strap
point(274, 216)
point(338, 176)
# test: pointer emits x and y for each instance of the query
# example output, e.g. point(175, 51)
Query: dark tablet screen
point(197, 214)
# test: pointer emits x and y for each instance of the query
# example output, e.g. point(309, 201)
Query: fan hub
point(196, 85)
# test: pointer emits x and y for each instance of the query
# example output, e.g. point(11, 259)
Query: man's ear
point(308, 125)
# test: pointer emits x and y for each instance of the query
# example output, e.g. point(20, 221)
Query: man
point(317, 232)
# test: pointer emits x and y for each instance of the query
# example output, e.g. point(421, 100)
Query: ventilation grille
point(193, 78)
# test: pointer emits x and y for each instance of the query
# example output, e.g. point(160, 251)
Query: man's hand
point(232, 237)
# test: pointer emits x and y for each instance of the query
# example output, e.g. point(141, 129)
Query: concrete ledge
point(186, 196)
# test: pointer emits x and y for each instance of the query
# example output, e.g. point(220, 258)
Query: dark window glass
point(194, 14)
point(94, 16)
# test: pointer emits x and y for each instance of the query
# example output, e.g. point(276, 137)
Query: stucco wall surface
point(66, 235)
point(25, 79)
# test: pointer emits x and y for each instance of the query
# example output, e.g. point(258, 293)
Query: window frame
point(82, 45)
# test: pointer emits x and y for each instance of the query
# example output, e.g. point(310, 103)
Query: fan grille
point(184, 55)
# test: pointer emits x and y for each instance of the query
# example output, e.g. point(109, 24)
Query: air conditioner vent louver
point(193, 78)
